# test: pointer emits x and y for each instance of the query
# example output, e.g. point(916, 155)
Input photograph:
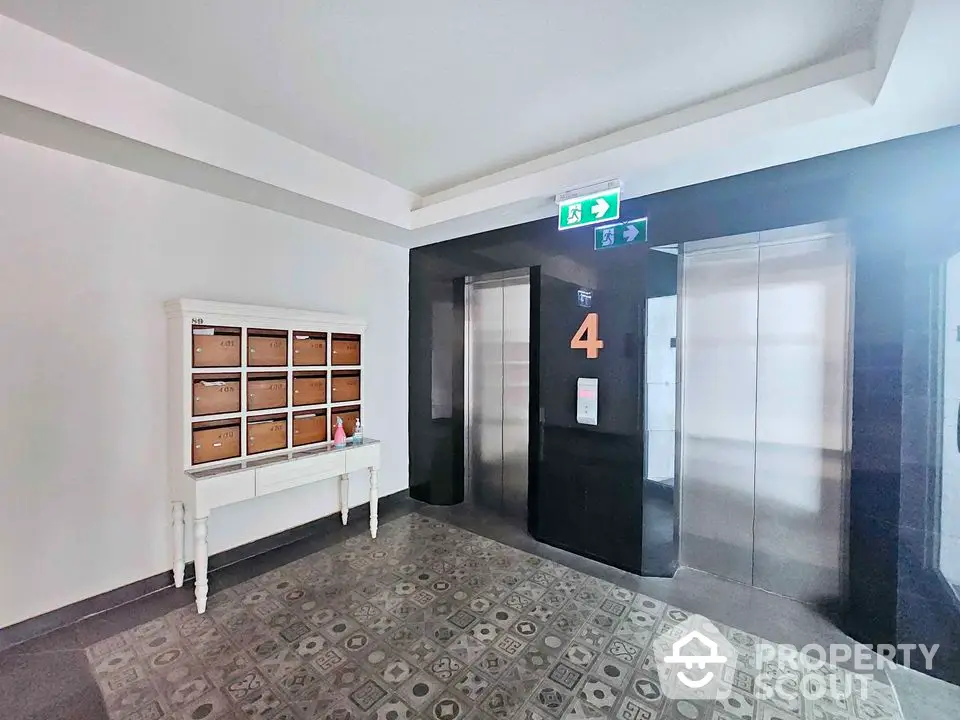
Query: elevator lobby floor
point(448, 615)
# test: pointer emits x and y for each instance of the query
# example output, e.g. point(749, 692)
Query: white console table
point(227, 484)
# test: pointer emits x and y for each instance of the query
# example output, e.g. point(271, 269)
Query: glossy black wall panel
point(586, 483)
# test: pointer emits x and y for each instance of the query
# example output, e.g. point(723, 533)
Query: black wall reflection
point(587, 489)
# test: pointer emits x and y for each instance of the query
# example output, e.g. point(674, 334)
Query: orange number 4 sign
point(587, 337)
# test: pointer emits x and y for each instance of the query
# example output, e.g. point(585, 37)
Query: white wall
point(661, 389)
point(89, 255)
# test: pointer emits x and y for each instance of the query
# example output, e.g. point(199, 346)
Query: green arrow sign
point(627, 233)
point(589, 210)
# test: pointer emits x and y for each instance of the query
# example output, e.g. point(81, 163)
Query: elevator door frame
point(515, 477)
point(797, 234)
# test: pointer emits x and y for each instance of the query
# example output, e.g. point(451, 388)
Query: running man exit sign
point(589, 205)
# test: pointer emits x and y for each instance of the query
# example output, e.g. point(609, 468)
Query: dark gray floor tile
point(48, 685)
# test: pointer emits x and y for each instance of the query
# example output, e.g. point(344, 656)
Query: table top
point(251, 463)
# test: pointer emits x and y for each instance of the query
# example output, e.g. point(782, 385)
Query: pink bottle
point(339, 436)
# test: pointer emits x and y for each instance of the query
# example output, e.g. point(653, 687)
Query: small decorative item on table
point(339, 436)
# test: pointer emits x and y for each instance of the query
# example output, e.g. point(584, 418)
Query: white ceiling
point(430, 93)
point(422, 120)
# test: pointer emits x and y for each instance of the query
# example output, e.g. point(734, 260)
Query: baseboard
point(70, 614)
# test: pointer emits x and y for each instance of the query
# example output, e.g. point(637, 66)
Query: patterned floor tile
point(646, 688)
point(422, 652)
point(245, 686)
point(599, 694)
point(472, 685)
point(449, 707)
point(467, 648)
point(444, 667)
point(501, 703)
point(510, 645)
point(631, 708)
point(280, 663)
point(429, 622)
point(442, 633)
point(397, 671)
point(420, 690)
point(393, 708)
point(344, 678)
point(368, 695)
point(580, 656)
point(485, 632)
point(492, 663)
point(534, 662)
point(566, 676)
point(299, 682)
point(316, 702)
point(687, 710)
point(552, 698)
point(211, 706)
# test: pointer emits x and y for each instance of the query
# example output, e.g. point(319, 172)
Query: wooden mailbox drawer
point(215, 441)
point(265, 434)
point(266, 348)
point(309, 348)
point(345, 350)
point(309, 388)
point(216, 346)
point(350, 415)
point(216, 393)
point(266, 391)
point(309, 428)
point(345, 386)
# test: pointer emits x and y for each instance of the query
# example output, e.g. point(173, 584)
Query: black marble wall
point(900, 202)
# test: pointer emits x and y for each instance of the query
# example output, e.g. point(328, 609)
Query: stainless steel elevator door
point(718, 361)
point(497, 384)
point(803, 331)
point(764, 347)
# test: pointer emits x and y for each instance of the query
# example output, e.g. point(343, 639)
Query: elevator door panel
point(485, 422)
point(718, 346)
point(498, 392)
point(516, 395)
point(801, 408)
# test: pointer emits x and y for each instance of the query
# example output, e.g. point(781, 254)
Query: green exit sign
point(590, 209)
point(626, 233)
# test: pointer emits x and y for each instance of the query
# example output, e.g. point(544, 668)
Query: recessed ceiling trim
point(818, 91)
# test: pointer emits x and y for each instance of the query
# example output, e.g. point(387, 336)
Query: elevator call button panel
point(587, 401)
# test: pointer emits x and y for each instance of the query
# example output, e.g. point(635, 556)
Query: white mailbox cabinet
point(255, 393)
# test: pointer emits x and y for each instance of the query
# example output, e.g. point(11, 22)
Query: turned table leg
point(344, 498)
point(374, 496)
point(178, 542)
point(200, 561)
